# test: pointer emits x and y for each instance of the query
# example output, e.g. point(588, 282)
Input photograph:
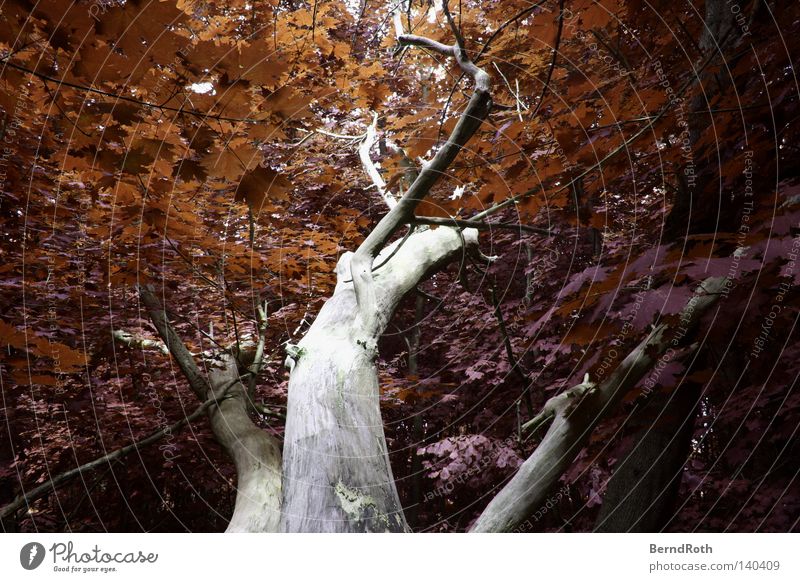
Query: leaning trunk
point(255, 455)
point(643, 489)
point(573, 415)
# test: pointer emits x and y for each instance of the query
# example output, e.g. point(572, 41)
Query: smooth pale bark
point(336, 468)
point(577, 411)
point(256, 454)
point(337, 476)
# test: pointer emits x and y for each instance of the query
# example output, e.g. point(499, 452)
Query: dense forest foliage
point(218, 158)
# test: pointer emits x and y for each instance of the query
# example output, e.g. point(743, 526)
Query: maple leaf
point(232, 161)
point(262, 184)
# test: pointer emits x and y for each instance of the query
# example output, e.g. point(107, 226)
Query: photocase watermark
point(31, 555)
point(609, 61)
point(545, 262)
point(449, 486)
point(9, 133)
point(97, 8)
point(169, 448)
point(612, 355)
point(65, 558)
point(684, 139)
point(741, 20)
point(744, 225)
point(546, 507)
point(566, 164)
point(671, 352)
point(658, 369)
point(760, 343)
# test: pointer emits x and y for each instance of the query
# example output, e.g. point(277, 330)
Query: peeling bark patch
point(360, 508)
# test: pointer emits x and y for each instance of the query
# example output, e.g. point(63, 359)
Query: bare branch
point(402, 213)
point(515, 364)
point(426, 43)
point(135, 341)
point(553, 61)
point(579, 410)
point(460, 44)
point(480, 225)
point(483, 50)
point(369, 167)
point(398, 23)
point(520, 105)
point(559, 405)
point(258, 358)
point(25, 499)
point(174, 343)
point(367, 140)
point(340, 135)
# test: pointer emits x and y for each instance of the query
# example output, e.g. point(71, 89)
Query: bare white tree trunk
point(255, 454)
point(335, 463)
point(336, 467)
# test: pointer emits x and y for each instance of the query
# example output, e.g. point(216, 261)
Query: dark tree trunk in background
point(418, 430)
point(700, 204)
point(573, 414)
point(642, 491)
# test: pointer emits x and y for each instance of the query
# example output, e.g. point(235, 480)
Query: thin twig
point(25, 499)
point(479, 225)
point(516, 367)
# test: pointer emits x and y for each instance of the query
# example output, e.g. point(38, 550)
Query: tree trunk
point(642, 491)
point(699, 204)
point(255, 454)
point(417, 432)
point(337, 476)
point(574, 414)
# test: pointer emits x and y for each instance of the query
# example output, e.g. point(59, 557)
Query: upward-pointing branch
point(256, 455)
point(369, 165)
point(553, 61)
point(174, 343)
point(403, 212)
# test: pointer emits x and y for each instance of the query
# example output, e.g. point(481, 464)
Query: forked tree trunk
point(337, 476)
point(335, 463)
point(255, 454)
